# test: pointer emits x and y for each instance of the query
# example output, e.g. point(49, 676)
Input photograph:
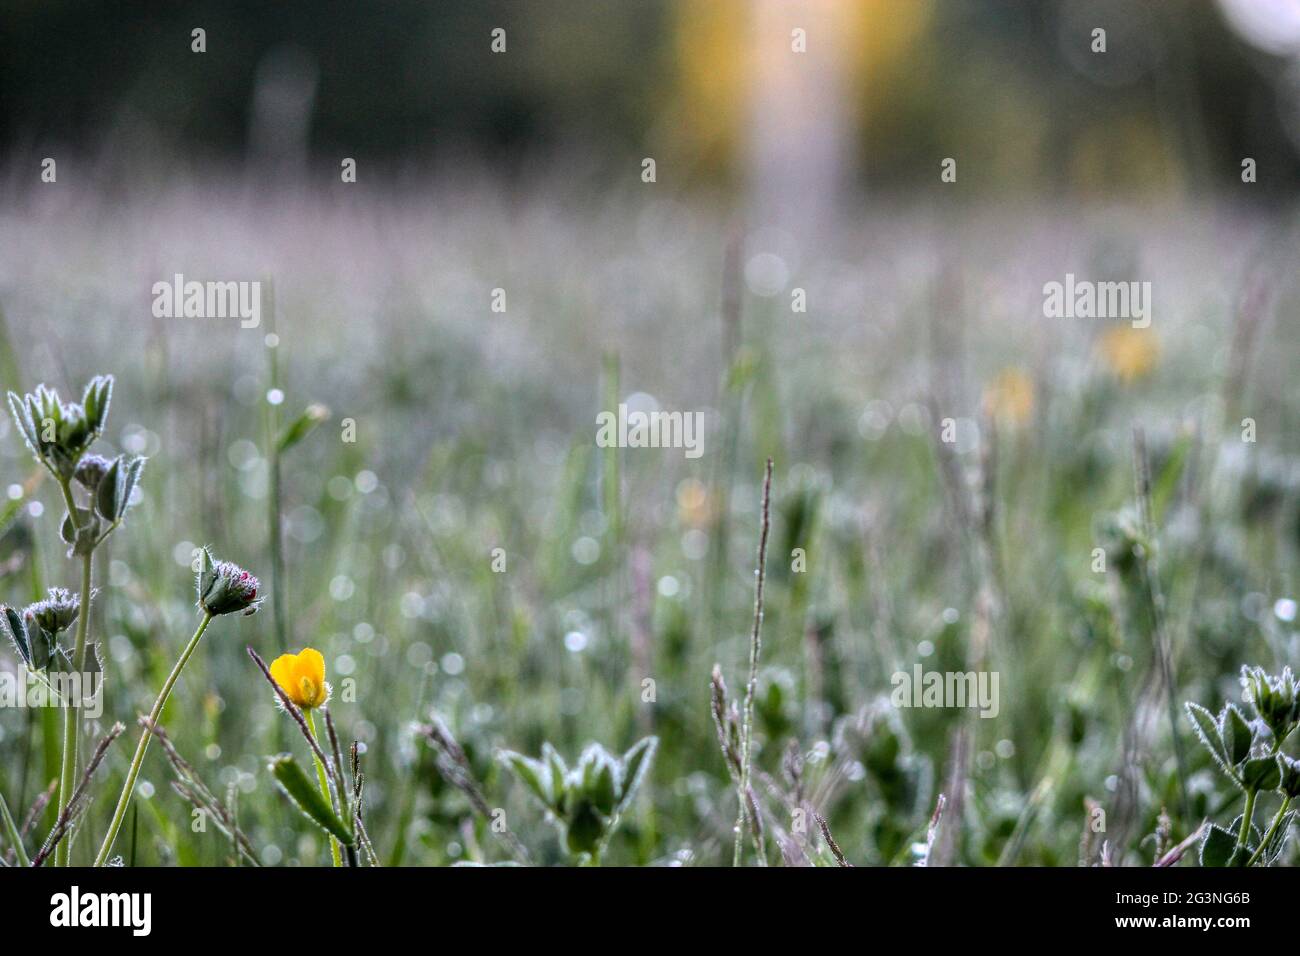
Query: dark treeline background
point(1187, 91)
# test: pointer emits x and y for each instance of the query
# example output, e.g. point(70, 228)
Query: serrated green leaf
point(302, 791)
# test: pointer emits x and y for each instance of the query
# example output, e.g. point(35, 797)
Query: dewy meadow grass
point(498, 639)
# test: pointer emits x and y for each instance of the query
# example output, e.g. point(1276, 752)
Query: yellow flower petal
point(283, 671)
point(309, 674)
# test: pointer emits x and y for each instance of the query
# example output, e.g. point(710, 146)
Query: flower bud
point(59, 434)
point(1290, 785)
point(56, 613)
point(91, 470)
point(1274, 698)
point(224, 588)
point(35, 630)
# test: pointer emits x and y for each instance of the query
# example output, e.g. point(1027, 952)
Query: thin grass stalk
point(840, 858)
point(192, 788)
point(38, 808)
point(454, 765)
point(124, 800)
point(69, 814)
point(273, 498)
point(755, 652)
point(1142, 474)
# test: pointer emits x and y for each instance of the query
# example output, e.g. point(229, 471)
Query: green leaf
point(302, 426)
point(207, 572)
point(559, 773)
point(302, 791)
point(1217, 846)
point(586, 828)
point(1207, 730)
point(23, 419)
point(113, 496)
point(1165, 486)
point(1237, 735)
point(1207, 727)
point(96, 399)
point(134, 468)
point(17, 629)
point(1262, 773)
point(107, 494)
point(635, 764)
point(533, 773)
point(601, 783)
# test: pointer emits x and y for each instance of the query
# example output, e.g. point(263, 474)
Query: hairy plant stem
point(324, 784)
point(125, 799)
point(71, 708)
point(755, 649)
point(1272, 831)
point(1244, 833)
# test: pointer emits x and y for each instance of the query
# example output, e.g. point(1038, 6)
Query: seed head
point(225, 588)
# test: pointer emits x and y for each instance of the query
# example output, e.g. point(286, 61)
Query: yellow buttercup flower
point(1130, 353)
point(1010, 397)
point(302, 677)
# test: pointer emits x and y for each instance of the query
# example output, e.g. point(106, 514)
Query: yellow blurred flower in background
point(695, 506)
point(1009, 398)
point(1130, 353)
